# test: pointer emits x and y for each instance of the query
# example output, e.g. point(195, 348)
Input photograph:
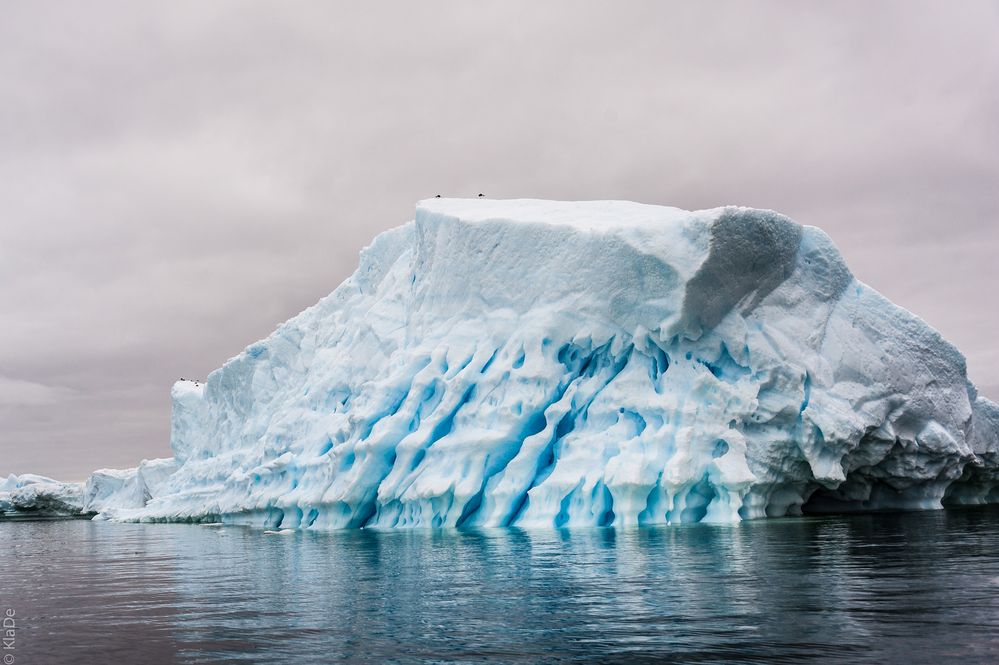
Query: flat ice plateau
point(541, 363)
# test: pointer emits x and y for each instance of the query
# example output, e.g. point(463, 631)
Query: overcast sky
point(177, 178)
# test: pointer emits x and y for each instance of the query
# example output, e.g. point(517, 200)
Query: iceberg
point(104, 492)
point(33, 495)
point(558, 364)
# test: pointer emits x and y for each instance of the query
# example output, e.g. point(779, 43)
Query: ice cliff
point(538, 363)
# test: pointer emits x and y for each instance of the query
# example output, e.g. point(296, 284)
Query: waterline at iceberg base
point(540, 363)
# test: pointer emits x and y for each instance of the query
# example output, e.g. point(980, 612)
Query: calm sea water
point(912, 588)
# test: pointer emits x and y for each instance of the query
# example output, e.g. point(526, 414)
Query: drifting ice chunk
point(29, 494)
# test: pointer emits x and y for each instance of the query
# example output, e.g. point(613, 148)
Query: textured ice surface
point(104, 493)
point(109, 490)
point(30, 494)
point(540, 363)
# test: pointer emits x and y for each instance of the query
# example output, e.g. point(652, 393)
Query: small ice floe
point(282, 532)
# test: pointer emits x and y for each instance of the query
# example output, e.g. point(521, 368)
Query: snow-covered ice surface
point(109, 489)
point(540, 363)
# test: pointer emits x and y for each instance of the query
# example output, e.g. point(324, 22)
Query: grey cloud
point(177, 179)
point(16, 393)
